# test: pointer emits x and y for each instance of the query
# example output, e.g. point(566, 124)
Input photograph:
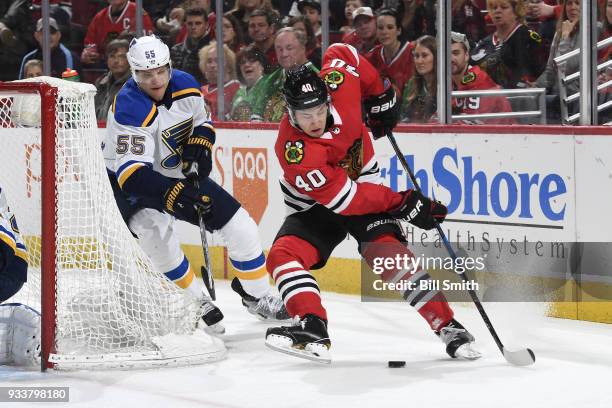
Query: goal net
point(103, 304)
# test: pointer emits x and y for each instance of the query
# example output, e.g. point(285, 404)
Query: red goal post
point(102, 303)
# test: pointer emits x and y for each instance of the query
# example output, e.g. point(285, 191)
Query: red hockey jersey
point(339, 169)
point(103, 28)
point(399, 69)
point(476, 79)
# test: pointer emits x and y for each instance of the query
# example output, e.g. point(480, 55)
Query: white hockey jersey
point(142, 132)
point(11, 239)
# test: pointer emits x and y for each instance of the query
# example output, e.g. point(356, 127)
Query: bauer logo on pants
point(250, 179)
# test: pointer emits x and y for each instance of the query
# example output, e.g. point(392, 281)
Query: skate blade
point(318, 353)
point(466, 352)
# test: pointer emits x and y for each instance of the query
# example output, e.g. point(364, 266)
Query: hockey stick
point(207, 275)
point(521, 357)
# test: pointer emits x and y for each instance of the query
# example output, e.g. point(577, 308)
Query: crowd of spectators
point(496, 44)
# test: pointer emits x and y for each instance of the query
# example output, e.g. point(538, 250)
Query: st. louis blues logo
point(173, 138)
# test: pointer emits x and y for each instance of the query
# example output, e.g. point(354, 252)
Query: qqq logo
point(250, 179)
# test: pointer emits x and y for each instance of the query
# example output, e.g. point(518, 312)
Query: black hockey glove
point(183, 201)
point(419, 210)
point(197, 157)
point(382, 111)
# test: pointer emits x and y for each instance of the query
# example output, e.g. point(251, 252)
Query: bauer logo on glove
point(419, 210)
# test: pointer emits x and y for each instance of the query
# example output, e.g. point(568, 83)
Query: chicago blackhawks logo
point(469, 77)
point(334, 79)
point(294, 152)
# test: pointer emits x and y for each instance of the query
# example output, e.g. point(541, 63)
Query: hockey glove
point(183, 201)
point(419, 210)
point(382, 111)
point(197, 157)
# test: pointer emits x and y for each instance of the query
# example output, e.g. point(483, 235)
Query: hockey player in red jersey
point(331, 187)
point(108, 24)
point(471, 78)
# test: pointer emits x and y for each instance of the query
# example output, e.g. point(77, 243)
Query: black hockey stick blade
point(522, 357)
point(207, 276)
point(209, 283)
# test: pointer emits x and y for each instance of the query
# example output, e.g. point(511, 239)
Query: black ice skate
point(269, 307)
point(307, 339)
point(212, 317)
point(458, 341)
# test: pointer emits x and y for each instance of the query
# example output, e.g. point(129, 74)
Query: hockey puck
point(396, 364)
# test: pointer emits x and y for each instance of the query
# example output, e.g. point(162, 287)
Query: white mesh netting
point(112, 308)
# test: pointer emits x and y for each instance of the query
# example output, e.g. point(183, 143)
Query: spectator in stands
point(511, 55)
point(419, 97)
point(16, 39)
point(118, 73)
point(170, 23)
point(232, 33)
point(468, 19)
point(61, 57)
point(250, 100)
point(313, 49)
point(349, 7)
point(203, 4)
point(184, 56)
point(565, 40)
point(471, 78)
point(210, 67)
point(290, 47)
point(364, 36)
point(543, 10)
point(108, 24)
point(412, 15)
point(542, 16)
point(33, 68)
point(243, 10)
point(311, 9)
point(261, 30)
point(605, 13)
point(392, 57)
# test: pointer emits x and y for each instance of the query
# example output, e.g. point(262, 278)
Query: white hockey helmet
point(146, 53)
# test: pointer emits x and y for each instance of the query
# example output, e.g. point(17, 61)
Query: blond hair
point(230, 59)
point(518, 6)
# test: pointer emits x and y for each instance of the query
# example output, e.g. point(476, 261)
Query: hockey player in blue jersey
point(158, 126)
point(19, 324)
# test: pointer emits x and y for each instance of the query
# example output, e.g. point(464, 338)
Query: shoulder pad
point(132, 107)
point(468, 78)
point(183, 85)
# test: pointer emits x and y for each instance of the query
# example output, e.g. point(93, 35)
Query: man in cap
point(364, 36)
point(471, 78)
point(61, 56)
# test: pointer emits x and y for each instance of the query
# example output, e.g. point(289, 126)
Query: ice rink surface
point(573, 367)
